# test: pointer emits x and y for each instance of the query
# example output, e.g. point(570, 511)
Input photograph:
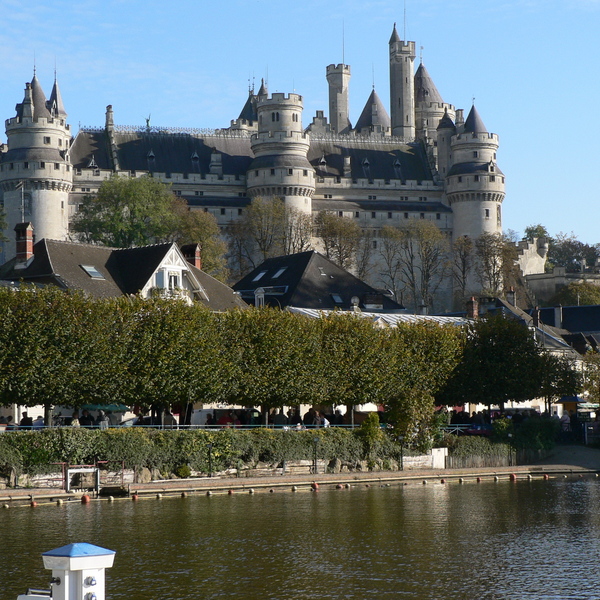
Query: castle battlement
point(336, 68)
point(280, 98)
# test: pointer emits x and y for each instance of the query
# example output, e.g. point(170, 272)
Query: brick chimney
point(24, 239)
point(472, 308)
point(193, 254)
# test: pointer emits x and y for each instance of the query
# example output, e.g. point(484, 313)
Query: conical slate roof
point(249, 111)
point(56, 103)
point(263, 88)
point(39, 99)
point(395, 37)
point(373, 114)
point(446, 122)
point(474, 124)
point(425, 90)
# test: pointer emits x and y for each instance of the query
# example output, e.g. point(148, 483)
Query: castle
point(422, 160)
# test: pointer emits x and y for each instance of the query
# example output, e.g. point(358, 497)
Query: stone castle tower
point(280, 167)
point(36, 176)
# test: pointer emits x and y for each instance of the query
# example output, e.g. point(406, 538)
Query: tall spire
point(55, 103)
point(474, 123)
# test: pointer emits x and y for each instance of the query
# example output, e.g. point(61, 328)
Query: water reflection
point(529, 540)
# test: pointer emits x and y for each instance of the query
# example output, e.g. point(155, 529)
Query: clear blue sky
point(530, 64)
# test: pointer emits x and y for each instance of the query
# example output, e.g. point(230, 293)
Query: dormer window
point(150, 155)
point(279, 272)
point(92, 272)
point(195, 157)
point(337, 298)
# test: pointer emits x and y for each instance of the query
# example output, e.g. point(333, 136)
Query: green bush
point(180, 451)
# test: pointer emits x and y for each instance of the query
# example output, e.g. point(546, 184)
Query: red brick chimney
point(24, 239)
point(193, 254)
point(472, 308)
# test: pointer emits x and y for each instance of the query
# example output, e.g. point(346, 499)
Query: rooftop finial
point(343, 43)
point(421, 55)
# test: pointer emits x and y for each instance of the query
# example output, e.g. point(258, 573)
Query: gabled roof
point(425, 90)
point(474, 123)
point(310, 280)
point(120, 271)
point(373, 114)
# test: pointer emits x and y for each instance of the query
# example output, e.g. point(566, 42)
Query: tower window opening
point(12, 166)
point(476, 178)
point(273, 117)
point(56, 166)
point(460, 180)
point(373, 215)
point(26, 165)
point(357, 215)
point(422, 216)
point(492, 178)
point(406, 215)
point(475, 154)
point(239, 212)
point(222, 211)
point(43, 166)
point(374, 243)
point(305, 172)
point(59, 142)
point(438, 216)
point(389, 215)
point(290, 171)
point(46, 139)
point(255, 173)
point(340, 213)
point(487, 213)
point(272, 171)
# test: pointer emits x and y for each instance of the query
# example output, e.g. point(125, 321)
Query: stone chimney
point(472, 308)
point(535, 315)
point(511, 296)
point(24, 239)
point(558, 316)
point(193, 254)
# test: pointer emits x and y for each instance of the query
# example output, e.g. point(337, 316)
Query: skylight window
point(337, 298)
point(92, 272)
point(259, 276)
point(279, 272)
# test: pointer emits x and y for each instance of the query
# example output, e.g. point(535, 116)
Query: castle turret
point(374, 118)
point(474, 183)
point(338, 77)
point(445, 131)
point(430, 107)
point(35, 173)
point(280, 167)
point(402, 86)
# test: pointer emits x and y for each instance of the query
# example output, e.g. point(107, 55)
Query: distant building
point(102, 272)
point(421, 161)
point(310, 280)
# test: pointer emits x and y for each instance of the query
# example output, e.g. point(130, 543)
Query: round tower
point(402, 86)
point(35, 173)
point(474, 183)
point(280, 167)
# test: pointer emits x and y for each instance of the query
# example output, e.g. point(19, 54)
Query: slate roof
point(475, 168)
point(39, 99)
point(309, 280)
point(576, 319)
point(474, 123)
point(163, 152)
point(379, 205)
point(190, 153)
point(425, 90)
point(370, 159)
point(373, 114)
point(125, 271)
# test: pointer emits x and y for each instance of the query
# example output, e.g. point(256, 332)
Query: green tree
point(500, 363)
point(577, 294)
point(559, 377)
point(495, 262)
point(127, 212)
point(199, 227)
point(340, 237)
point(462, 265)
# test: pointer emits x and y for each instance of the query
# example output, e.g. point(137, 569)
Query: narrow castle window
point(422, 216)
point(487, 213)
point(46, 139)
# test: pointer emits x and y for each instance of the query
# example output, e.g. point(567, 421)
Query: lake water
point(523, 541)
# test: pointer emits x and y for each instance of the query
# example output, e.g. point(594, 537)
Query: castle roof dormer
point(474, 123)
point(425, 90)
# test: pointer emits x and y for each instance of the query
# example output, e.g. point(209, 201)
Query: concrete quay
point(565, 461)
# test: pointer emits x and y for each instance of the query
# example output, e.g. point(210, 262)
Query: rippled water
point(522, 541)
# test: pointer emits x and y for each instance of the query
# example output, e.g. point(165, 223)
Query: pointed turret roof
point(56, 103)
point(425, 90)
point(263, 88)
point(395, 37)
point(446, 122)
point(474, 124)
point(249, 111)
point(373, 114)
point(39, 99)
